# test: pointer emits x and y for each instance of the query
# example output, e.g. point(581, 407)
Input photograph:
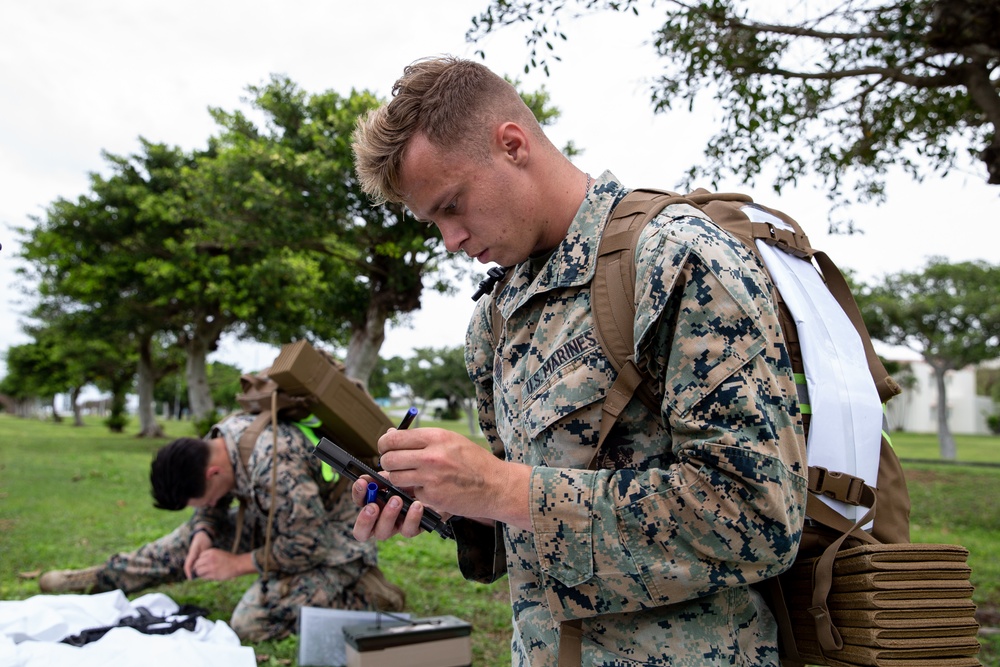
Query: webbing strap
point(620, 393)
point(571, 643)
point(274, 481)
point(248, 440)
point(826, 632)
point(791, 242)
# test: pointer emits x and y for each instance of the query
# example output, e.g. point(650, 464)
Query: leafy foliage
point(949, 313)
point(844, 89)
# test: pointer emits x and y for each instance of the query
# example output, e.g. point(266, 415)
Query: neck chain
point(588, 183)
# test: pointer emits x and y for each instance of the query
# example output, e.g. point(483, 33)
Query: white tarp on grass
point(31, 631)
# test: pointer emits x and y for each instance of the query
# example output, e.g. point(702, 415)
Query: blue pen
point(407, 419)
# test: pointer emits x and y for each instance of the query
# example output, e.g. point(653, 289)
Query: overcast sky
point(79, 78)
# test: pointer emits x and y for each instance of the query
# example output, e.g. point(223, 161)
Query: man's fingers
point(359, 490)
point(394, 440)
point(364, 525)
point(386, 525)
point(411, 522)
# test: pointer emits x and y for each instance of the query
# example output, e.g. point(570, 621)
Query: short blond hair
point(453, 102)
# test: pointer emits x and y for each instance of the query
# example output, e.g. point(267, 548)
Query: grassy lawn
point(69, 497)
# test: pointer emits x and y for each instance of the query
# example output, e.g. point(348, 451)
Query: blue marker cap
point(372, 494)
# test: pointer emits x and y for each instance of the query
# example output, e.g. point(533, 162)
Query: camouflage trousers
point(269, 608)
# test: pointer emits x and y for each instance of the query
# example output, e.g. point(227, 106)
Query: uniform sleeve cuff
point(561, 516)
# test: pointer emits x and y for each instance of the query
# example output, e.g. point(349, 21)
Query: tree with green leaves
point(295, 174)
point(949, 313)
point(291, 184)
point(265, 234)
point(843, 89)
point(35, 370)
point(223, 382)
point(438, 373)
point(99, 259)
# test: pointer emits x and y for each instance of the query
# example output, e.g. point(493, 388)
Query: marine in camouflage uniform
point(314, 560)
point(656, 549)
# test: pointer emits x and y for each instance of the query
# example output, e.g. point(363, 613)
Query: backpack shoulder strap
point(245, 446)
point(248, 439)
point(613, 299)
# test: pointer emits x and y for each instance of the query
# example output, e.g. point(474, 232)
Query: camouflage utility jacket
point(313, 519)
point(656, 547)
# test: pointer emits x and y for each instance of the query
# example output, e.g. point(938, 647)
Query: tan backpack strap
point(621, 392)
point(274, 481)
point(571, 643)
point(248, 440)
point(826, 632)
point(245, 446)
point(613, 295)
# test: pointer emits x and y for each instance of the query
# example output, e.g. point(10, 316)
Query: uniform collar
point(572, 262)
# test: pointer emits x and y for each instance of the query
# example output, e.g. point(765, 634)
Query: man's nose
point(454, 236)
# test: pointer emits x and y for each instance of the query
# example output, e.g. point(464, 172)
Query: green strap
point(306, 426)
point(802, 389)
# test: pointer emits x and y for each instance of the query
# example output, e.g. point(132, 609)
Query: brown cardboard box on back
point(350, 417)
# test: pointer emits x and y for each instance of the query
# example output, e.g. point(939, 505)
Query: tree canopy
point(436, 373)
point(264, 234)
point(842, 89)
point(949, 313)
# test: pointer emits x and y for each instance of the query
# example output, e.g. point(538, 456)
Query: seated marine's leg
point(270, 607)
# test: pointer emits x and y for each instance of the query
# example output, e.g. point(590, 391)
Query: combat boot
point(69, 581)
point(383, 595)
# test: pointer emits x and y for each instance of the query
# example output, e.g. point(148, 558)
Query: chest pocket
point(561, 404)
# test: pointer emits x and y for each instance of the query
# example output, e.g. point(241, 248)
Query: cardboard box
point(437, 641)
point(350, 417)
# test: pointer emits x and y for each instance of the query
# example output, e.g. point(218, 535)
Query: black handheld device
point(345, 464)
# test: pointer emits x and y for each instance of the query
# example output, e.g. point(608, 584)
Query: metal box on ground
point(436, 641)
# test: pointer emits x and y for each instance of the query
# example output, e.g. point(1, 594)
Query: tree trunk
point(118, 417)
point(202, 341)
point(472, 416)
point(949, 451)
point(56, 417)
point(74, 396)
point(146, 381)
point(362, 351)
point(199, 394)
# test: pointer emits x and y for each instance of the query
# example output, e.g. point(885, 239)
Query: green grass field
point(69, 497)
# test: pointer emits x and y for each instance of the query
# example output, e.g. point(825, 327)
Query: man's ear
point(513, 140)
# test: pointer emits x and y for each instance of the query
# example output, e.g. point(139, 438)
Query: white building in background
point(916, 409)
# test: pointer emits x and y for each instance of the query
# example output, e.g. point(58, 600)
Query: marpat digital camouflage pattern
point(656, 548)
point(315, 560)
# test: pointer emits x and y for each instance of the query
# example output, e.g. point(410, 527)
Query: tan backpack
point(308, 388)
point(849, 597)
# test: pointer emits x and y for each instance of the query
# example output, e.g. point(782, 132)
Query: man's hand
point(200, 541)
point(445, 471)
point(220, 565)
